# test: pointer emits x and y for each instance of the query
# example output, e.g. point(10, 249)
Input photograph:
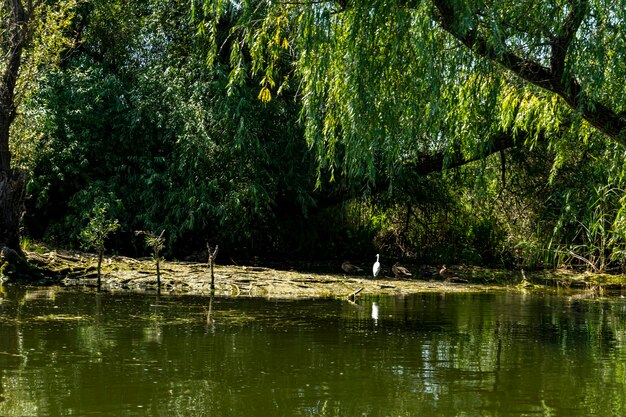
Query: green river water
point(76, 353)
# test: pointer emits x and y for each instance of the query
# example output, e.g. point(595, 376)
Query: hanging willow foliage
point(385, 81)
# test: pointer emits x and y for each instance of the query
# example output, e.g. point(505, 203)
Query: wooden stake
point(100, 256)
point(158, 245)
point(211, 261)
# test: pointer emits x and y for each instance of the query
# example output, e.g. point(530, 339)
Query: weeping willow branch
point(424, 164)
point(554, 79)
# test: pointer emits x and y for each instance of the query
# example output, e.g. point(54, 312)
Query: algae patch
point(58, 317)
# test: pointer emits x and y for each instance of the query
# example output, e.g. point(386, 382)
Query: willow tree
point(31, 36)
point(391, 85)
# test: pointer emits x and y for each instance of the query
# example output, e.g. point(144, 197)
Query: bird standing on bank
point(348, 268)
point(450, 277)
point(445, 273)
point(376, 267)
point(399, 271)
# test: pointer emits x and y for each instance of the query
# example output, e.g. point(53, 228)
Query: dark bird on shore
point(448, 276)
point(376, 267)
point(399, 271)
point(445, 273)
point(348, 268)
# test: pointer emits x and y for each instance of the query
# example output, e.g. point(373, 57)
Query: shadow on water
point(71, 352)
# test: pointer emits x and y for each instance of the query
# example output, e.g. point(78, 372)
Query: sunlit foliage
point(390, 80)
point(338, 128)
point(384, 83)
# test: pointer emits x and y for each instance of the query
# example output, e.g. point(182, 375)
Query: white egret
point(376, 267)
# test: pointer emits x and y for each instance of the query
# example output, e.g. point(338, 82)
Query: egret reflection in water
point(375, 311)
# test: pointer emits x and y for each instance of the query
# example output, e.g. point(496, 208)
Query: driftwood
point(353, 295)
point(255, 268)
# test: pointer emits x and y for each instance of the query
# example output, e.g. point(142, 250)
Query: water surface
point(80, 353)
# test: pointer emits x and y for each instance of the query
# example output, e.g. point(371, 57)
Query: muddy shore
point(139, 275)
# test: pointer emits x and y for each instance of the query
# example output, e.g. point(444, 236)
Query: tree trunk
point(12, 181)
point(12, 194)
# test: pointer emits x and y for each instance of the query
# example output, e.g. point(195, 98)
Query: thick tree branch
point(18, 20)
point(427, 164)
point(422, 165)
point(597, 114)
point(562, 41)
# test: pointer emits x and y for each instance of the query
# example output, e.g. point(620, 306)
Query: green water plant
point(157, 244)
point(98, 229)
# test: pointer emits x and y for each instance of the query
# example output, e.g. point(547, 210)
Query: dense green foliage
point(385, 84)
point(443, 131)
point(141, 122)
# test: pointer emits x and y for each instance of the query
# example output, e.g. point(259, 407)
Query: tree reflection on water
point(71, 352)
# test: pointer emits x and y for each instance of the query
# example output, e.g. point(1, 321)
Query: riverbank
point(119, 273)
